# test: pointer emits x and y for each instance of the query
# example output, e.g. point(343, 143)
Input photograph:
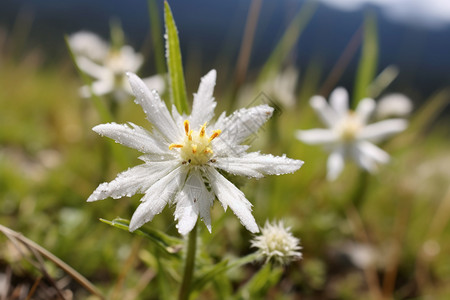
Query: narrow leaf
point(220, 268)
point(368, 62)
point(168, 244)
point(174, 62)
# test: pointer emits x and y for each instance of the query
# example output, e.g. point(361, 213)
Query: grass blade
point(174, 62)
point(368, 62)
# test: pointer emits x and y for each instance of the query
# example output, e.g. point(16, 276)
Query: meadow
point(381, 235)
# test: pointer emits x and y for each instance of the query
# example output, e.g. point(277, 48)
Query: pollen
point(350, 127)
point(215, 134)
point(196, 147)
point(171, 146)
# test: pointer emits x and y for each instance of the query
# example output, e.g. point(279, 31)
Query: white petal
point(317, 136)
point(89, 67)
point(132, 136)
point(363, 160)
point(379, 131)
point(88, 44)
point(157, 197)
point(339, 101)
point(156, 110)
point(240, 125)
point(193, 199)
point(365, 109)
point(374, 152)
point(132, 181)
point(98, 88)
point(204, 104)
point(394, 105)
point(335, 163)
point(257, 165)
point(328, 116)
point(231, 196)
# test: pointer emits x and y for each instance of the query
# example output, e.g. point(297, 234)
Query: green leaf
point(218, 269)
point(168, 244)
point(174, 62)
point(368, 62)
point(260, 283)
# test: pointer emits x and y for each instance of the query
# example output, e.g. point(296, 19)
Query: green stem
point(359, 193)
point(189, 265)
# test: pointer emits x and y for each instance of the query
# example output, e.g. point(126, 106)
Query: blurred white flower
point(277, 243)
point(108, 66)
point(348, 133)
point(182, 155)
point(282, 87)
point(393, 105)
point(279, 88)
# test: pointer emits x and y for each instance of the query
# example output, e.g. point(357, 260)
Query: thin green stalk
point(359, 194)
point(189, 265)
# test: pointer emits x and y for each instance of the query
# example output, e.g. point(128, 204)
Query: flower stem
point(189, 265)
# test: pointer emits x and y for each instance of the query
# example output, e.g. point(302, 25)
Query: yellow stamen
point(208, 150)
point(186, 126)
point(215, 134)
point(194, 148)
point(171, 146)
point(189, 135)
point(202, 130)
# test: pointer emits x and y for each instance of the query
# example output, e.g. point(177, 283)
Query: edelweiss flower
point(182, 156)
point(277, 242)
point(348, 134)
point(108, 65)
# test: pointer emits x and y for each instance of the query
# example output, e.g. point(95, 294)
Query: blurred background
point(413, 34)
point(394, 245)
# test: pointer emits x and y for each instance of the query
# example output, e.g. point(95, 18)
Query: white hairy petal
point(192, 200)
point(257, 165)
point(132, 136)
point(240, 125)
point(157, 197)
point(230, 195)
point(155, 109)
point(204, 104)
point(134, 180)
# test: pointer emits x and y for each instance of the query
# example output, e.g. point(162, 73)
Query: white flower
point(182, 156)
point(277, 242)
point(348, 133)
point(282, 86)
point(108, 66)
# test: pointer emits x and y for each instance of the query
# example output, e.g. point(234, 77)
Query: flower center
point(195, 148)
point(349, 127)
